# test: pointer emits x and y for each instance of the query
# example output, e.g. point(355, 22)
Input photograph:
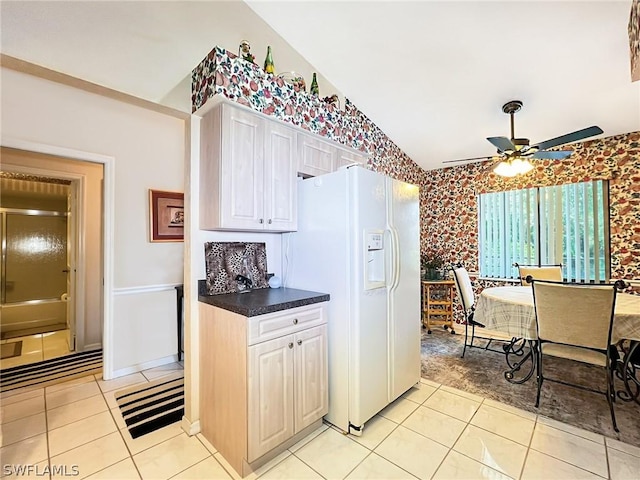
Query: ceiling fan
point(514, 153)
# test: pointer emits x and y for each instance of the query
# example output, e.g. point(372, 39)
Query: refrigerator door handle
point(395, 258)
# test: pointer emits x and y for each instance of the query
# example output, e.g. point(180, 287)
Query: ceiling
point(433, 75)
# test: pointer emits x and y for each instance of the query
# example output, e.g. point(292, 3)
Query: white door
point(270, 395)
point(71, 264)
point(310, 376)
point(281, 199)
point(404, 291)
point(242, 182)
point(368, 362)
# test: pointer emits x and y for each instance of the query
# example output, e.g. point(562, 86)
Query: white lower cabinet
point(287, 388)
point(263, 381)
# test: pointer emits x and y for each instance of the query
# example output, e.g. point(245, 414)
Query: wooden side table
point(437, 304)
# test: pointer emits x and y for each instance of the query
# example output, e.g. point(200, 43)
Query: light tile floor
point(431, 432)
point(36, 348)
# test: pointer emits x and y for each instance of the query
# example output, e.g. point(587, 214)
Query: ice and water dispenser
point(374, 275)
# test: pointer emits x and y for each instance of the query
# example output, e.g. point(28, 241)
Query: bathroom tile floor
point(430, 432)
point(36, 348)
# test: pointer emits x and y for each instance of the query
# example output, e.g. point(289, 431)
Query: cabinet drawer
point(285, 322)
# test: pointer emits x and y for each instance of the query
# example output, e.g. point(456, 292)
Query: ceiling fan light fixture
point(522, 165)
point(511, 168)
point(504, 169)
point(515, 152)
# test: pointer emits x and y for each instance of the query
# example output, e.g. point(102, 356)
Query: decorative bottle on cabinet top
point(269, 67)
point(314, 85)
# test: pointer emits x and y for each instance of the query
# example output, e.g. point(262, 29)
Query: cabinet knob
point(290, 344)
point(295, 321)
point(270, 222)
point(261, 220)
point(299, 342)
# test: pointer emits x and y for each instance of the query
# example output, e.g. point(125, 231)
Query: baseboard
point(92, 346)
point(144, 366)
point(190, 428)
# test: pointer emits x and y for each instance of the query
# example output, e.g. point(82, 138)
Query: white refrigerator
point(358, 239)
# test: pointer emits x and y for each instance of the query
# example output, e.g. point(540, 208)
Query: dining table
point(510, 310)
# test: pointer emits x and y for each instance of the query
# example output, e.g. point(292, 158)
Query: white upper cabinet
point(248, 168)
point(349, 157)
point(247, 172)
point(242, 169)
point(281, 202)
point(315, 156)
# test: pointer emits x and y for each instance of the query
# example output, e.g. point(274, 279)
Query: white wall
point(149, 151)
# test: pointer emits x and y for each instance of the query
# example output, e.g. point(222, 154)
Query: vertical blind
point(564, 224)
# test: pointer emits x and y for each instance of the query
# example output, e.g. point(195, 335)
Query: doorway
point(37, 246)
point(54, 270)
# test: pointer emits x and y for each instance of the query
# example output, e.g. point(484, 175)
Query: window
point(565, 224)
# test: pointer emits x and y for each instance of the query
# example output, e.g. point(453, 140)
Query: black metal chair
point(575, 321)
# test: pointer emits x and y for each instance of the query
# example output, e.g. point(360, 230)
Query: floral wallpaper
point(449, 215)
point(223, 73)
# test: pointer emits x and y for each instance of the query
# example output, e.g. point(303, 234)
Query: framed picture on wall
point(166, 210)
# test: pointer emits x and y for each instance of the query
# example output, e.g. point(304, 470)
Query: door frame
point(108, 221)
point(75, 255)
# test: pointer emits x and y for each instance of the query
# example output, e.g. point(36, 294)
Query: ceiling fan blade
point(569, 137)
point(467, 159)
point(558, 155)
point(503, 144)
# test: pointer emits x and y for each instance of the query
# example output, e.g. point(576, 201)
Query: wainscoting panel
point(144, 326)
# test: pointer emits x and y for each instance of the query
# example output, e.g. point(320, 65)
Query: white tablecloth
point(510, 310)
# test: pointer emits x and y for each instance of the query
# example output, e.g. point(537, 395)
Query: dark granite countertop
point(261, 300)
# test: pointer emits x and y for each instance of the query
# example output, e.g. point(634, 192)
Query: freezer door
point(403, 211)
point(318, 258)
point(368, 369)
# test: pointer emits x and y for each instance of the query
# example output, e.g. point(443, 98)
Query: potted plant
point(431, 264)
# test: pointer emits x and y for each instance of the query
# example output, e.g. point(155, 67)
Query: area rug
point(482, 372)
point(152, 406)
point(11, 349)
point(50, 372)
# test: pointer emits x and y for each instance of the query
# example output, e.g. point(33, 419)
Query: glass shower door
point(35, 257)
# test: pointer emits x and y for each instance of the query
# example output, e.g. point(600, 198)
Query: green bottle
point(269, 67)
point(314, 85)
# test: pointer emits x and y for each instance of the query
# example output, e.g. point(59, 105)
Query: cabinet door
point(280, 178)
point(347, 157)
point(310, 373)
point(270, 392)
point(315, 157)
point(242, 170)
